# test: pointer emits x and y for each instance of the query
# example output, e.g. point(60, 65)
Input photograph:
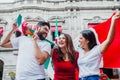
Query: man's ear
point(39, 30)
point(87, 41)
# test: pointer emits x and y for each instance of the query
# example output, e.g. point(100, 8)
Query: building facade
point(73, 16)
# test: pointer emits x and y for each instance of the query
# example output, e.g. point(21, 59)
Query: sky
point(6, 1)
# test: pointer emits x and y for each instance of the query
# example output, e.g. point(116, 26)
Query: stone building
point(73, 16)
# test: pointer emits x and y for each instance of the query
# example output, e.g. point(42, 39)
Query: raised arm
point(41, 56)
point(111, 33)
point(6, 42)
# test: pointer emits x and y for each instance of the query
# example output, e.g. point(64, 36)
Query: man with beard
point(32, 52)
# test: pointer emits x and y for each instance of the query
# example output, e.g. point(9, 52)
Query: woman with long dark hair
point(91, 52)
point(64, 59)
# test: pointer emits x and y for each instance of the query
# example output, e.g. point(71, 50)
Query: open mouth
point(61, 43)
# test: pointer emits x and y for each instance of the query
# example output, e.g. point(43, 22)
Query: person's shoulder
point(22, 36)
point(97, 47)
point(76, 52)
point(79, 49)
point(18, 38)
point(54, 52)
point(54, 49)
point(46, 43)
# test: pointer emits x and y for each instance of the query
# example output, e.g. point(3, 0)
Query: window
point(53, 35)
point(92, 24)
point(53, 31)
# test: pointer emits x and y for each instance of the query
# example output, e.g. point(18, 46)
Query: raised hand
point(14, 26)
point(116, 16)
point(35, 35)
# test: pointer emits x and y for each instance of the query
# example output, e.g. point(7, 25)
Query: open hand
point(14, 26)
point(116, 16)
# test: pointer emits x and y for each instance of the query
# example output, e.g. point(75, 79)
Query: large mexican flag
point(111, 58)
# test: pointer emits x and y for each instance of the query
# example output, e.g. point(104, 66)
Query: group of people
point(33, 52)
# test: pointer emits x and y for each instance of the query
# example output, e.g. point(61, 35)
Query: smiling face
point(62, 41)
point(83, 42)
point(43, 31)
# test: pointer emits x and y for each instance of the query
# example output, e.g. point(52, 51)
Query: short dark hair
point(43, 23)
point(90, 36)
point(17, 33)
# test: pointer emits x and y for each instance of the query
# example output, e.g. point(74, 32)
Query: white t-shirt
point(27, 66)
point(89, 63)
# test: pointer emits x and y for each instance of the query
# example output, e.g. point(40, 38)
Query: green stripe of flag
point(48, 60)
point(51, 43)
point(19, 20)
point(56, 28)
point(46, 63)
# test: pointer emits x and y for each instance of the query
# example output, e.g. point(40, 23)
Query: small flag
point(56, 31)
point(19, 20)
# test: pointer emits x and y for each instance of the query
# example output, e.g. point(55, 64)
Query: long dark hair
point(70, 49)
point(89, 35)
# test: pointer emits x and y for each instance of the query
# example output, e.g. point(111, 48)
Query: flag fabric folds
point(111, 57)
point(48, 63)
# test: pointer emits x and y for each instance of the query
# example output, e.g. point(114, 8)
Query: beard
point(41, 36)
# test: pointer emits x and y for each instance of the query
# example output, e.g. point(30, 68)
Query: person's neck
point(64, 51)
point(86, 49)
point(65, 57)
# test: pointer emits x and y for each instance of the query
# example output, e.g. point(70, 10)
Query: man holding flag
point(32, 52)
